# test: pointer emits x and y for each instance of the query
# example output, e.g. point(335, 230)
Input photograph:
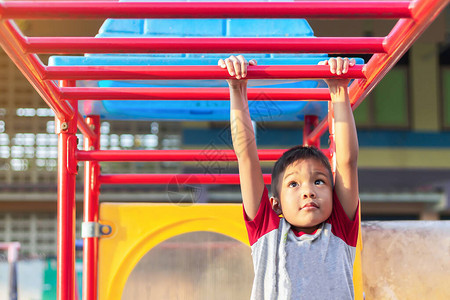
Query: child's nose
point(309, 194)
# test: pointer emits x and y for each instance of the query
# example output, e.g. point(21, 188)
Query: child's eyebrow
point(289, 174)
point(321, 173)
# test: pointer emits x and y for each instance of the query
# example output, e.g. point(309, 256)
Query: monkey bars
point(187, 72)
point(304, 9)
point(414, 17)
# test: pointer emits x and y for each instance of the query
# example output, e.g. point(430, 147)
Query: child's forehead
point(305, 167)
point(306, 163)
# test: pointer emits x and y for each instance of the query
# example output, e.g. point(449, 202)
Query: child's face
point(306, 194)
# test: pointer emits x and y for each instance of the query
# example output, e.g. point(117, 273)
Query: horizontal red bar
point(191, 72)
point(175, 179)
point(306, 9)
point(339, 45)
point(258, 94)
point(171, 155)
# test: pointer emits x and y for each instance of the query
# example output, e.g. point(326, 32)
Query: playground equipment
point(64, 100)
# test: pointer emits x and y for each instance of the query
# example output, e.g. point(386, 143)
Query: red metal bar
point(306, 9)
point(190, 72)
point(176, 179)
point(265, 94)
point(67, 170)
point(84, 127)
point(310, 123)
point(332, 147)
point(11, 42)
point(33, 69)
point(171, 155)
point(91, 206)
point(342, 45)
point(399, 40)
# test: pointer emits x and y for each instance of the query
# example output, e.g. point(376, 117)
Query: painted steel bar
point(306, 9)
point(399, 40)
point(174, 179)
point(67, 170)
point(332, 140)
point(91, 212)
point(190, 72)
point(33, 69)
point(171, 155)
point(81, 45)
point(10, 40)
point(84, 127)
point(258, 94)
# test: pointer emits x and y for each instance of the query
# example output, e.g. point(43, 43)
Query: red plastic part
point(258, 94)
point(304, 9)
point(191, 72)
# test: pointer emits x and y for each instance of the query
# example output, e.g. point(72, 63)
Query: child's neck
point(307, 230)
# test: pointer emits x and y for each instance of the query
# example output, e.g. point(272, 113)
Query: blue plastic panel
point(198, 110)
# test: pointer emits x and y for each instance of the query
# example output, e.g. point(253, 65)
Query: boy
point(308, 253)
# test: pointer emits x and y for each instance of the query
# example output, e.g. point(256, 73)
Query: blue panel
point(209, 110)
point(184, 28)
point(268, 28)
point(147, 60)
point(121, 27)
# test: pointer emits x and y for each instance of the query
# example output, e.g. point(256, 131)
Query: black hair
point(295, 154)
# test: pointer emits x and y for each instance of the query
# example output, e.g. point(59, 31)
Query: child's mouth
point(310, 205)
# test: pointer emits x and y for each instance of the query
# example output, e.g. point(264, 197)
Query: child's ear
point(276, 205)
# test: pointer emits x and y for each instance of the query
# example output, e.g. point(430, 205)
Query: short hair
point(295, 154)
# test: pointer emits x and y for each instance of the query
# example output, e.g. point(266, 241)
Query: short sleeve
point(341, 225)
point(265, 220)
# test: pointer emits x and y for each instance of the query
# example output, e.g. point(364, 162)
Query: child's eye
point(319, 182)
point(292, 184)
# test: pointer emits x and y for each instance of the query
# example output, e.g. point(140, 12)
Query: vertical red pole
point(331, 130)
point(67, 170)
point(91, 203)
point(311, 122)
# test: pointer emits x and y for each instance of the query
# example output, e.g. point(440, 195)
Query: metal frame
point(414, 17)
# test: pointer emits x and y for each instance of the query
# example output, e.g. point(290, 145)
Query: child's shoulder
point(341, 225)
point(265, 221)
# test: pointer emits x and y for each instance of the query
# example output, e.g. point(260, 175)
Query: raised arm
point(346, 183)
point(250, 174)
